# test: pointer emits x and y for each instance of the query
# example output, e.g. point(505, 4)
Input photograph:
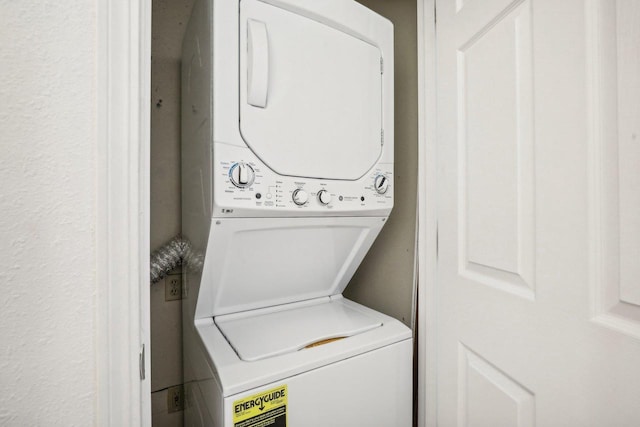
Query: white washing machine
point(287, 179)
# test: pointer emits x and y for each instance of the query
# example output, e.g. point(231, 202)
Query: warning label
point(268, 408)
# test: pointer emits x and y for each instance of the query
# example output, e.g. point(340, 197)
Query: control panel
point(244, 186)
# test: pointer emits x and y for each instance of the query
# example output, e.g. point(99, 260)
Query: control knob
point(324, 197)
point(300, 197)
point(241, 175)
point(381, 184)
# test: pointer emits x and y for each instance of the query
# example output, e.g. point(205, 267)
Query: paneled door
point(538, 280)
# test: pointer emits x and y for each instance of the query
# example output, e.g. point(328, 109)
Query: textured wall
point(47, 212)
point(384, 280)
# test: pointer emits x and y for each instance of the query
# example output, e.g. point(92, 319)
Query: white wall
point(47, 212)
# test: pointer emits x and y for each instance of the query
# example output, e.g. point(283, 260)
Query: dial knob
point(300, 197)
point(241, 175)
point(324, 197)
point(381, 184)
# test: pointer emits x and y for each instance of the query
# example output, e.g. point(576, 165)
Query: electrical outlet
point(173, 287)
point(175, 399)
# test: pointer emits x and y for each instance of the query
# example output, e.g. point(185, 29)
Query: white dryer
point(287, 179)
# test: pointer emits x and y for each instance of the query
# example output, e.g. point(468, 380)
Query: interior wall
point(49, 139)
point(385, 279)
point(169, 21)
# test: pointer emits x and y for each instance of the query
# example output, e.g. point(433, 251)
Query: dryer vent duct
point(171, 255)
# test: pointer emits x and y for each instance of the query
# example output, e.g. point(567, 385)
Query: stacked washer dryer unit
point(287, 166)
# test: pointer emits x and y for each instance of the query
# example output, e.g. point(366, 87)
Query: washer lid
point(268, 333)
point(254, 263)
point(236, 375)
point(310, 94)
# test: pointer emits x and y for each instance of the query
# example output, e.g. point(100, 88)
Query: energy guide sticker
point(268, 408)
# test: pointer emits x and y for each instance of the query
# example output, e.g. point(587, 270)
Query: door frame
point(427, 220)
point(123, 173)
point(123, 366)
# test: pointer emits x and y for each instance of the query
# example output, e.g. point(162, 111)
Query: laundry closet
point(383, 281)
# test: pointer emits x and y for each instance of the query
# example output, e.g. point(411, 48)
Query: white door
point(539, 213)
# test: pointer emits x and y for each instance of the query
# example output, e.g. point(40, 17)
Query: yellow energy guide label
point(268, 408)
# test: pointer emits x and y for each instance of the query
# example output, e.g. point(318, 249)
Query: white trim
point(427, 220)
point(122, 319)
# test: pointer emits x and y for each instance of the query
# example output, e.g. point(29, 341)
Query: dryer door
point(310, 94)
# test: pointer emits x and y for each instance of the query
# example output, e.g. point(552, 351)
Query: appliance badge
point(262, 409)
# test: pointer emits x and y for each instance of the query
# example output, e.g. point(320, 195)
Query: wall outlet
point(173, 287)
point(175, 399)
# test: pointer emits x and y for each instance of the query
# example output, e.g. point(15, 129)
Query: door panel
point(488, 397)
point(615, 162)
point(310, 94)
point(538, 207)
point(495, 167)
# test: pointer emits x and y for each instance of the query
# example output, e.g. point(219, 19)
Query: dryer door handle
point(257, 63)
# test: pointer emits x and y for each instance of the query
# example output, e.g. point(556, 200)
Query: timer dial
point(324, 197)
point(381, 184)
point(241, 175)
point(300, 197)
